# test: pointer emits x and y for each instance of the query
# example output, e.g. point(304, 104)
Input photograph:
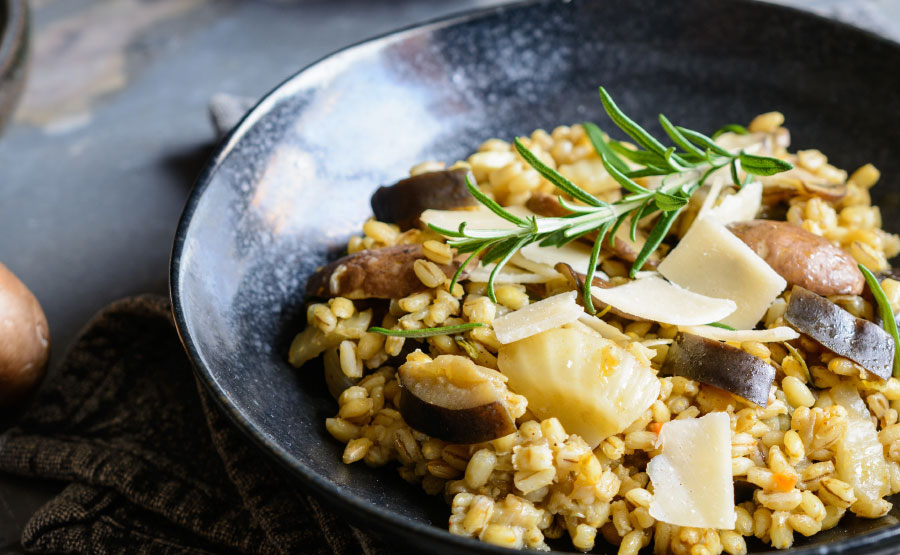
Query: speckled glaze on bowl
point(14, 37)
point(292, 183)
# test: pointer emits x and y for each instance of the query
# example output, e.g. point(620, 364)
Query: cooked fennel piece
point(859, 457)
point(691, 477)
point(656, 299)
point(593, 386)
point(552, 312)
point(710, 260)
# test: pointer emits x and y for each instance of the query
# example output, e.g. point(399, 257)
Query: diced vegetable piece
point(552, 312)
point(773, 335)
point(593, 386)
point(402, 202)
point(386, 273)
point(859, 457)
point(720, 365)
point(575, 254)
point(841, 332)
point(710, 260)
point(801, 257)
point(692, 483)
point(740, 206)
point(656, 299)
point(453, 399)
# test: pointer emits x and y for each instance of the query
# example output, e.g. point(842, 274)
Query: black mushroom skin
point(840, 332)
point(403, 202)
point(802, 258)
point(720, 365)
point(386, 273)
point(469, 425)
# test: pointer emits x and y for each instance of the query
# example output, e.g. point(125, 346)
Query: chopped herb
point(683, 167)
point(796, 354)
point(723, 326)
point(467, 346)
point(888, 321)
point(427, 332)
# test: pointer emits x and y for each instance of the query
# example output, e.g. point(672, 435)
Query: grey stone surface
point(114, 128)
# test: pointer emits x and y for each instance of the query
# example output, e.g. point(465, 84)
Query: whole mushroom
point(24, 339)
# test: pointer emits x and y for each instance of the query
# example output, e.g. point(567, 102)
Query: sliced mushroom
point(453, 399)
point(840, 332)
point(801, 257)
point(402, 202)
point(799, 182)
point(547, 205)
point(386, 273)
point(720, 365)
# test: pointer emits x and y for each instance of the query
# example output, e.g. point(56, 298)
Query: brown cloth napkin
point(152, 464)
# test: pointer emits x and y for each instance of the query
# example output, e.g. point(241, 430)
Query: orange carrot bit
point(655, 427)
point(784, 482)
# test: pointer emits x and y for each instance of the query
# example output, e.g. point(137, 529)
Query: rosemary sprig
point(427, 332)
point(683, 167)
point(886, 312)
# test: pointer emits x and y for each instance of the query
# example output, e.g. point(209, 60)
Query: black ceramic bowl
point(292, 182)
point(13, 54)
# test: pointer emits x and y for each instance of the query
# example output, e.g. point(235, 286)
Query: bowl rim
point(336, 498)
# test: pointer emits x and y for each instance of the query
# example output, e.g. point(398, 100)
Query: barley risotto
point(679, 341)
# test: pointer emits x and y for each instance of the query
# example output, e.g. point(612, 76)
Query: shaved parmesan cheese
point(773, 335)
point(509, 274)
point(575, 254)
point(605, 329)
point(549, 313)
point(712, 195)
point(658, 300)
point(482, 218)
point(711, 260)
point(692, 483)
point(740, 206)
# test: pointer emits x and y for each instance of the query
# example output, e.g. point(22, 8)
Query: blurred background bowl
point(14, 33)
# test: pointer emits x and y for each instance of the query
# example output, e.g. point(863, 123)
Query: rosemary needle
point(683, 168)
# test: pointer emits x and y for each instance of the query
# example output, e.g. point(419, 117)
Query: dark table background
point(114, 127)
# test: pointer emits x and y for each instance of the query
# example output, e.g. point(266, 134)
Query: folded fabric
point(152, 464)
